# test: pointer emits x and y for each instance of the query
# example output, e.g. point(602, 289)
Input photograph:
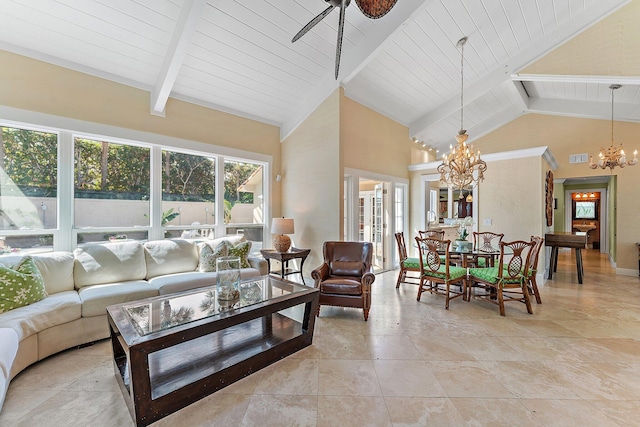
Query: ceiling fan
point(373, 9)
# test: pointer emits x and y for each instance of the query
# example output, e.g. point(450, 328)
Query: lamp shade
point(282, 226)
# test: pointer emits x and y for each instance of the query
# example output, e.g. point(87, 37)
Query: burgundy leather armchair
point(345, 277)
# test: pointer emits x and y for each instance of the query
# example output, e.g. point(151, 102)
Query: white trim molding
point(504, 155)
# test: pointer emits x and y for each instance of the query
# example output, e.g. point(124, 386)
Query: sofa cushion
point(95, 299)
point(108, 262)
point(54, 310)
point(170, 256)
point(56, 269)
point(347, 268)
point(241, 250)
point(178, 282)
point(209, 254)
point(8, 350)
point(20, 285)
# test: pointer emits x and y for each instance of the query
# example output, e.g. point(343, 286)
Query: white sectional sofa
point(80, 285)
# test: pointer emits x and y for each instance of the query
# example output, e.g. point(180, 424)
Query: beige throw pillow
point(209, 255)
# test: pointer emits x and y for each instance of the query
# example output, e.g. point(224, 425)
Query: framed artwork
point(548, 209)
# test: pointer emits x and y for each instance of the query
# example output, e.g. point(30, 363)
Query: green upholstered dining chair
point(532, 283)
point(437, 276)
point(454, 259)
point(485, 241)
point(508, 281)
point(409, 267)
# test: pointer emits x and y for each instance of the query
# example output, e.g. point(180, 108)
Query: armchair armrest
point(320, 274)
point(368, 278)
point(259, 264)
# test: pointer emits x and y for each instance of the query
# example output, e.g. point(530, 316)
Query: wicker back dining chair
point(437, 276)
point(438, 234)
point(532, 283)
point(409, 267)
point(485, 241)
point(509, 280)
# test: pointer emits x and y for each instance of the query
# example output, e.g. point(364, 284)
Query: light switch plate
point(487, 221)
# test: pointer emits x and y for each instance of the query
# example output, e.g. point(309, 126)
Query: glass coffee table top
point(168, 311)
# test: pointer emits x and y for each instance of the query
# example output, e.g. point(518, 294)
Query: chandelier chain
point(462, 86)
point(613, 98)
point(462, 169)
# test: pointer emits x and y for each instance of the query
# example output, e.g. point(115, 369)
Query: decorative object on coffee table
point(228, 278)
point(281, 227)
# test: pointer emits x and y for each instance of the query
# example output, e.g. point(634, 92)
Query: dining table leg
point(579, 264)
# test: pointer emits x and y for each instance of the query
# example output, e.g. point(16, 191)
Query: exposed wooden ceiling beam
point(176, 51)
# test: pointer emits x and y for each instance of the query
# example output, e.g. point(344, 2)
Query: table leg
point(283, 267)
point(552, 257)
point(579, 264)
point(268, 265)
point(301, 264)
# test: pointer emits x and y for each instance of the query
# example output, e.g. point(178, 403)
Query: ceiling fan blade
point(343, 6)
point(375, 9)
point(312, 23)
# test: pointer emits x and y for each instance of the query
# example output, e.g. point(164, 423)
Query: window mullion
point(156, 232)
point(64, 235)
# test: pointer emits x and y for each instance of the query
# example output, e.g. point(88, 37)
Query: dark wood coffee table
point(172, 350)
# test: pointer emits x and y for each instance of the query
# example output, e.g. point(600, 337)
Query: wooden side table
point(284, 257)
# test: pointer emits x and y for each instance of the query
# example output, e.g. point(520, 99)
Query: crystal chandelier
point(613, 156)
point(459, 166)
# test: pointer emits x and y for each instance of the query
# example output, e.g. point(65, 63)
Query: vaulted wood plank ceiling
point(237, 56)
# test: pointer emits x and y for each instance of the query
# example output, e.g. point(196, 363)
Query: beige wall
point(608, 48)
point(37, 86)
point(567, 135)
point(512, 196)
point(312, 180)
point(373, 142)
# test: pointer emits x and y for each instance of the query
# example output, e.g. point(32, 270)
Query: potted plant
point(461, 242)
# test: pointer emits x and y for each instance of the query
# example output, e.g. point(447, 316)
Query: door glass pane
point(111, 184)
point(188, 195)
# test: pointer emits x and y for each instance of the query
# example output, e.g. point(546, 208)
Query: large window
point(243, 200)
point(28, 188)
point(188, 194)
point(59, 190)
point(112, 185)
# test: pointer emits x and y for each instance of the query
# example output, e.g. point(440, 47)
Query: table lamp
point(280, 227)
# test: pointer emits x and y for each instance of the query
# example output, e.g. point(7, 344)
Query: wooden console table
point(284, 258)
point(577, 241)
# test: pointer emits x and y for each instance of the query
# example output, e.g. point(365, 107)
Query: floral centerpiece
point(463, 233)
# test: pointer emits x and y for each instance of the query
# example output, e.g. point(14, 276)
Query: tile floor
point(575, 362)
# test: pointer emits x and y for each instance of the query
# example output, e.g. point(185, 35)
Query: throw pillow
point(208, 256)
point(20, 285)
point(241, 250)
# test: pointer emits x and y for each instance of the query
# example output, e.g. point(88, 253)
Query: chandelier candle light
point(613, 156)
point(459, 166)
